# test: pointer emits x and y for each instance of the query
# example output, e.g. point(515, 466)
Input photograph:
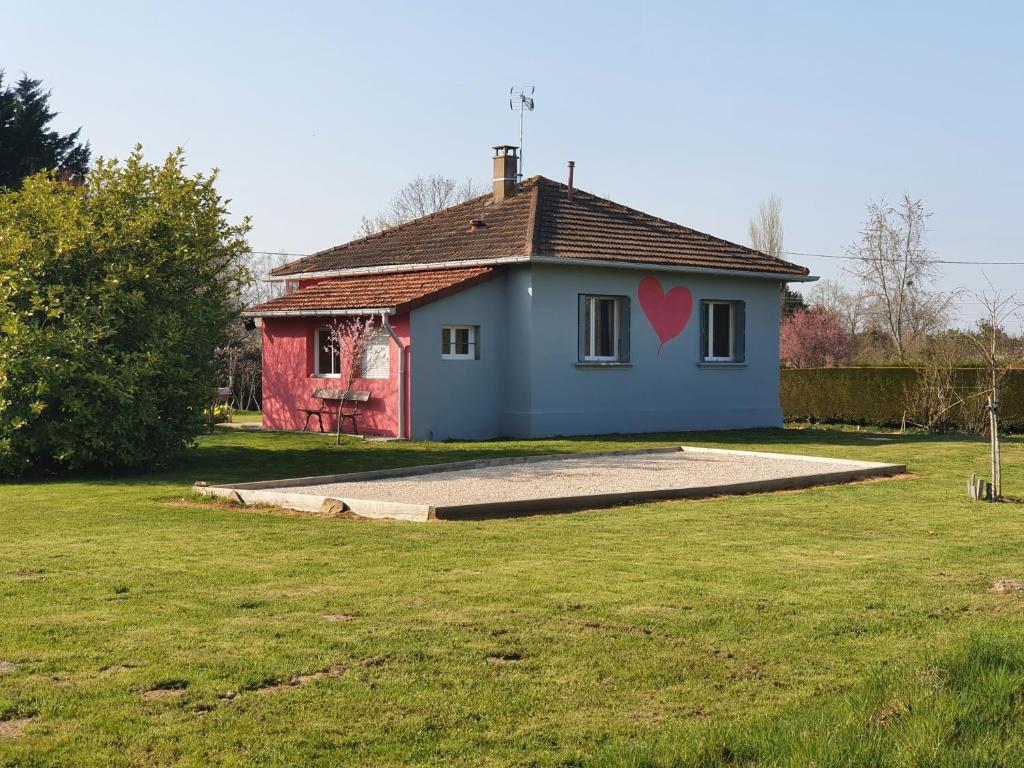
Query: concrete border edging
point(263, 492)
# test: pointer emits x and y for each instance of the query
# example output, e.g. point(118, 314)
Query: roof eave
point(794, 277)
point(257, 312)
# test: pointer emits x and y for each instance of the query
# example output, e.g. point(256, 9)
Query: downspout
point(401, 373)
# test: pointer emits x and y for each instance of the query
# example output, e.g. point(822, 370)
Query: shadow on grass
point(239, 456)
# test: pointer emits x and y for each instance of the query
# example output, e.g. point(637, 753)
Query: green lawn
point(850, 625)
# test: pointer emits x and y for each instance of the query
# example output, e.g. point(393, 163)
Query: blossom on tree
point(814, 338)
point(349, 339)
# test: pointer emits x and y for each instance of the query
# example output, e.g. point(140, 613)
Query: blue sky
point(317, 112)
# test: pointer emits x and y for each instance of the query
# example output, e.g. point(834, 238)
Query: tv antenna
point(520, 100)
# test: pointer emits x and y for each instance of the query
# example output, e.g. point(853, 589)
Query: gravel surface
point(575, 476)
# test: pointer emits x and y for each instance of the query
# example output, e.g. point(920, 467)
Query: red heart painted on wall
point(668, 313)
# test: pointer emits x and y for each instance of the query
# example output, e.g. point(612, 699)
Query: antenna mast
point(520, 100)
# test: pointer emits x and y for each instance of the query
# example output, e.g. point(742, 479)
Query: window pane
point(462, 341)
point(588, 347)
point(446, 341)
point(722, 327)
point(604, 328)
point(327, 357)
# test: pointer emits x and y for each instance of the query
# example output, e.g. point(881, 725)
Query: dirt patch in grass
point(272, 685)
point(1008, 586)
point(339, 617)
point(220, 503)
point(170, 689)
point(500, 659)
point(26, 574)
point(113, 669)
point(12, 729)
point(7, 666)
point(332, 671)
point(162, 694)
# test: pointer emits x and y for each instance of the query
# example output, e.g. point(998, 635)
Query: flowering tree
point(814, 338)
point(349, 338)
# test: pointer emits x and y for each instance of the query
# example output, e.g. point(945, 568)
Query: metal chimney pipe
point(572, 165)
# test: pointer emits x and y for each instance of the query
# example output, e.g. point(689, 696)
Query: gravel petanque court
point(505, 487)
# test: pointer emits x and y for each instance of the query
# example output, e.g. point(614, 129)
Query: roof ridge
point(530, 245)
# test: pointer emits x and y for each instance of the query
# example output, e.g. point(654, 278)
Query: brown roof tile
point(402, 290)
point(539, 220)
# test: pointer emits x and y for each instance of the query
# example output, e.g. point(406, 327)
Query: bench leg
point(348, 417)
point(320, 417)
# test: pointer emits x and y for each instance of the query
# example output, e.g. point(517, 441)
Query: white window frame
point(379, 344)
point(316, 356)
point(590, 303)
point(451, 354)
point(710, 321)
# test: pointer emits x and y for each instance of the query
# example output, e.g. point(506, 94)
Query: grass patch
point(961, 709)
point(729, 629)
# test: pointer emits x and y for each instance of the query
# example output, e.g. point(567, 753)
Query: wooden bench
point(343, 412)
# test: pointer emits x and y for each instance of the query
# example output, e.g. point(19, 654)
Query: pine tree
point(27, 144)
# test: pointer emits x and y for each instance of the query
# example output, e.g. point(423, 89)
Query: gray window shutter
point(703, 329)
point(740, 339)
point(624, 330)
point(582, 326)
point(476, 342)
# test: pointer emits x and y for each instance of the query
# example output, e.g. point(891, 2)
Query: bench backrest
point(341, 394)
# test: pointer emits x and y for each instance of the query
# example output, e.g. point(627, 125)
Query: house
point(535, 310)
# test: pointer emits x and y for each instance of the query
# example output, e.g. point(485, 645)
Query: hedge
point(879, 396)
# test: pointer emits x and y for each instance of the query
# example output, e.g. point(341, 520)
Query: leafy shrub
point(880, 396)
point(113, 296)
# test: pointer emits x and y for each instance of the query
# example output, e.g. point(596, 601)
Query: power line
point(279, 253)
point(937, 261)
point(786, 253)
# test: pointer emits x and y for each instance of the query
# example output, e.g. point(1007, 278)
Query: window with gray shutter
point(723, 331)
point(603, 329)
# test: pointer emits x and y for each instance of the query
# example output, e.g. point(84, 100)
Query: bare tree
point(934, 399)
point(897, 273)
point(998, 351)
point(766, 236)
point(766, 233)
point(848, 306)
point(420, 197)
point(259, 289)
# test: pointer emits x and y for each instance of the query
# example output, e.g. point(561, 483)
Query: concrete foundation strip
point(263, 492)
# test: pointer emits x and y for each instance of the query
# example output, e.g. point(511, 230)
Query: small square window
point(460, 342)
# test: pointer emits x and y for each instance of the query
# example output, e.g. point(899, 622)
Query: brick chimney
point(506, 164)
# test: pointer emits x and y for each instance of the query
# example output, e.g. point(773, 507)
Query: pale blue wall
point(459, 398)
point(666, 391)
point(527, 382)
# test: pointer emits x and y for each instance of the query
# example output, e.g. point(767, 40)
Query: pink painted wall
point(288, 379)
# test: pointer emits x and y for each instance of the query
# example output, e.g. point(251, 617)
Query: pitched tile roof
point(401, 291)
point(540, 221)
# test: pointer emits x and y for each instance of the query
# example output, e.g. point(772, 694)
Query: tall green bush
point(880, 396)
point(113, 296)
